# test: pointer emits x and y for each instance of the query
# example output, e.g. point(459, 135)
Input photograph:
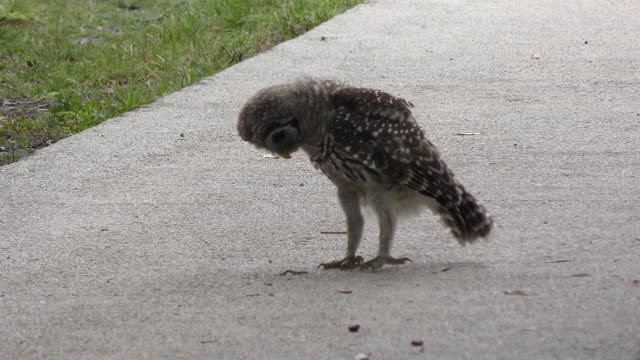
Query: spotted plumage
point(368, 143)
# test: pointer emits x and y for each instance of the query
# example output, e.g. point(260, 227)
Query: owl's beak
point(285, 155)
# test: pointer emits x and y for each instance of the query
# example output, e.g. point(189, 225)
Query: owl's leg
point(350, 202)
point(380, 199)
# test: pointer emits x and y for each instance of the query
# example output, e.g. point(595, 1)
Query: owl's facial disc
point(283, 138)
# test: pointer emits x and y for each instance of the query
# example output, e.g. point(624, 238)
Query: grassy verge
point(67, 65)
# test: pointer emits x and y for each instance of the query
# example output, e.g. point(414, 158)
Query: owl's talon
point(347, 263)
point(377, 262)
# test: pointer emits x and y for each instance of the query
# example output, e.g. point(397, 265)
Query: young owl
point(369, 145)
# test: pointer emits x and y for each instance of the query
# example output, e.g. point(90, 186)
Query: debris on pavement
point(418, 344)
point(333, 232)
point(363, 357)
point(354, 328)
point(581, 275)
point(558, 261)
point(345, 291)
point(270, 156)
point(467, 133)
point(444, 269)
point(520, 292)
point(293, 272)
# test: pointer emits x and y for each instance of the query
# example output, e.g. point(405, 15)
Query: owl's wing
point(375, 132)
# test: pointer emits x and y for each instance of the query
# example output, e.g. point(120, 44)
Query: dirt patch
point(14, 107)
point(13, 148)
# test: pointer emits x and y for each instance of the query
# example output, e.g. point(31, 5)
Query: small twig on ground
point(557, 261)
point(292, 272)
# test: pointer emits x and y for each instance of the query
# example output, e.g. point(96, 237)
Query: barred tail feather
point(468, 220)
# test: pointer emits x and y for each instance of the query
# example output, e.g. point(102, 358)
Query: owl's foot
point(378, 262)
point(347, 263)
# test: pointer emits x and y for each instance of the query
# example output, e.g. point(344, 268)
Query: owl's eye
point(278, 136)
point(278, 131)
point(271, 128)
point(284, 137)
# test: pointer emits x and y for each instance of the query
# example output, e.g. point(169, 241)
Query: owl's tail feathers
point(468, 220)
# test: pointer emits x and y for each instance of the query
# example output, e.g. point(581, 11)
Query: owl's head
point(282, 118)
point(271, 120)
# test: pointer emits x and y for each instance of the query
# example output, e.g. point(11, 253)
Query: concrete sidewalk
point(130, 241)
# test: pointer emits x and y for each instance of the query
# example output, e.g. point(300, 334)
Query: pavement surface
point(161, 234)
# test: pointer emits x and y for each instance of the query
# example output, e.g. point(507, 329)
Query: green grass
point(90, 60)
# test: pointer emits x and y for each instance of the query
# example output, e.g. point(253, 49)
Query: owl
point(370, 146)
